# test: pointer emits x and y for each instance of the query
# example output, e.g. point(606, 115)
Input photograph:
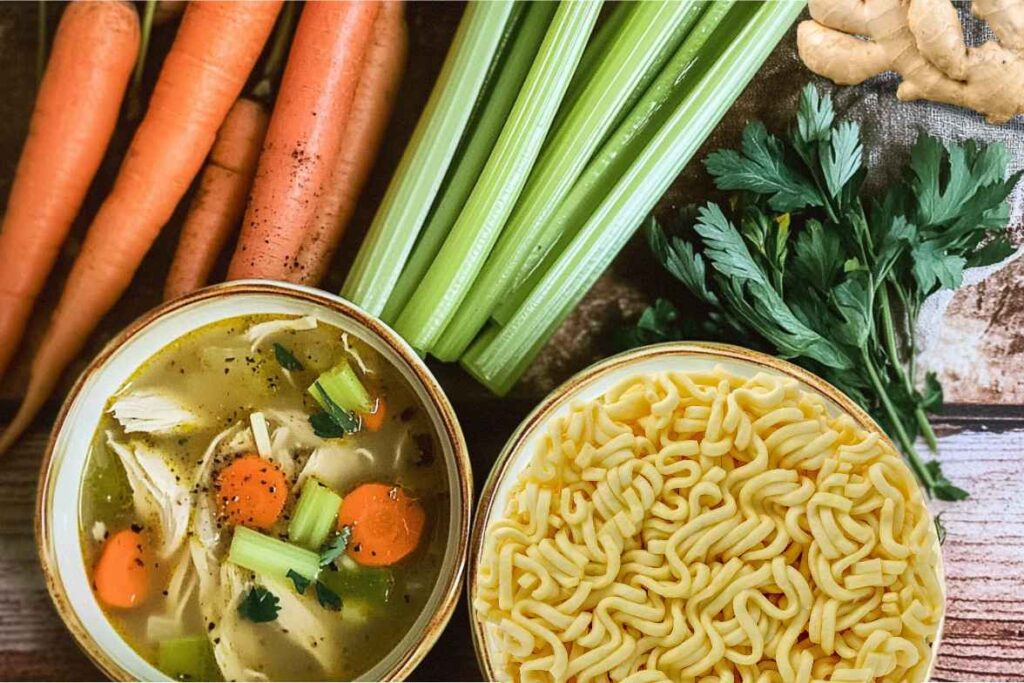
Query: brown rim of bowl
point(450, 596)
point(543, 411)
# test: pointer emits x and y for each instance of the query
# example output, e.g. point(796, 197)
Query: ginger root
point(923, 42)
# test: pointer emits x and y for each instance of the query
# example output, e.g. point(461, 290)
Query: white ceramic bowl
point(57, 506)
point(591, 384)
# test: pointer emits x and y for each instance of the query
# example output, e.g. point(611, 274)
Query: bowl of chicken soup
point(258, 481)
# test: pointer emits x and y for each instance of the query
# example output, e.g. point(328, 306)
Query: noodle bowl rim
point(516, 452)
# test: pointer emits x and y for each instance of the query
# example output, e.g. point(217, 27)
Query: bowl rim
point(448, 428)
point(560, 396)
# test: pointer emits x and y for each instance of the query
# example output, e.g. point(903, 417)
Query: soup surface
point(264, 500)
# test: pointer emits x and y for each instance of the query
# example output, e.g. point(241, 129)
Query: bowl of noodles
point(701, 512)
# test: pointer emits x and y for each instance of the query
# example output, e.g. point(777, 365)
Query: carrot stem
point(135, 99)
point(278, 49)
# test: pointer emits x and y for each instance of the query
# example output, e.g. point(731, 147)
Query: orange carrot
point(313, 101)
point(75, 114)
point(360, 140)
point(121, 575)
point(251, 492)
point(386, 523)
point(215, 49)
point(219, 200)
point(374, 420)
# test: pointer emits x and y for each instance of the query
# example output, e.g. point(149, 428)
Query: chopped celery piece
point(314, 515)
point(499, 357)
point(422, 168)
point(189, 658)
point(473, 157)
point(611, 161)
point(649, 29)
point(270, 557)
point(368, 583)
point(452, 273)
point(342, 386)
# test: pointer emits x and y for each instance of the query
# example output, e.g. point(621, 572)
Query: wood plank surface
point(976, 342)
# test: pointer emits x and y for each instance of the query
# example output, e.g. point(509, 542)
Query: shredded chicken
point(260, 332)
point(182, 586)
point(352, 351)
point(151, 412)
point(157, 492)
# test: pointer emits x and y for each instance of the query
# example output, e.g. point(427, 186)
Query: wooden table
point(979, 352)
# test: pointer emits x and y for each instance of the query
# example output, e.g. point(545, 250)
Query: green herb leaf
point(841, 157)
point(817, 257)
point(853, 299)
point(327, 598)
point(325, 427)
point(761, 169)
point(658, 323)
point(285, 358)
point(679, 259)
point(814, 117)
point(335, 546)
point(300, 581)
point(940, 529)
point(932, 399)
point(936, 268)
point(344, 421)
point(259, 605)
point(944, 488)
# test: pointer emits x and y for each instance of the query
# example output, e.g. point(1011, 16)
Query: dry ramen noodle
point(712, 528)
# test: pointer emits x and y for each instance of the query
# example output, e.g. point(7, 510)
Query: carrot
point(375, 420)
point(314, 100)
point(360, 139)
point(251, 492)
point(121, 575)
point(219, 200)
point(75, 115)
point(386, 523)
point(215, 49)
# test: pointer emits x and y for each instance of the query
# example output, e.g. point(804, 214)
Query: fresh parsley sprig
point(811, 268)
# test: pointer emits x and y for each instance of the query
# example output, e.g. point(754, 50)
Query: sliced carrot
point(303, 137)
point(75, 113)
point(121, 575)
point(251, 492)
point(386, 523)
point(219, 201)
point(374, 420)
point(361, 137)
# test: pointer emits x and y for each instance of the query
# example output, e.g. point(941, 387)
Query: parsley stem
point(897, 426)
point(888, 328)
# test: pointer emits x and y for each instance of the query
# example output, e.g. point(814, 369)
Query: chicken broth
point(262, 500)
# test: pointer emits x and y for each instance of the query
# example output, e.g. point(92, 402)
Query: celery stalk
point(607, 30)
point(649, 29)
point(450, 276)
point(270, 557)
point(611, 161)
point(314, 515)
point(474, 155)
point(189, 658)
point(342, 386)
point(499, 358)
point(422, 168)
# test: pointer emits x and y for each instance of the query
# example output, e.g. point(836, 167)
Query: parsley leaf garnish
point(801, 262)
point(327, 598)
point(300, 581)
point(940, 529)
point(259, 605)
point(285, 358)
point(335, 546)
point(334, 421)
